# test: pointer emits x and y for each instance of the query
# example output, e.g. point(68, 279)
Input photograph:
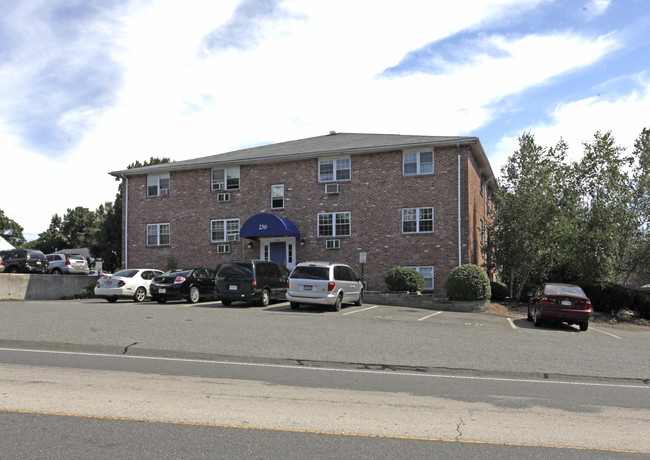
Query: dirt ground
point(519, 310)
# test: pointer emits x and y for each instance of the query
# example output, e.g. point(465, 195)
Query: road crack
point(126, 349)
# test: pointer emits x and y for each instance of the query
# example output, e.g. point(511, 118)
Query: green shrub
point(468, 282)
point(499, 290)
point(404, 279)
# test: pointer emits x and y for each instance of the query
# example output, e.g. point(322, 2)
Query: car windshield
point(560, 289)
point(235, 269)
point(126, 273)
point(311, 273)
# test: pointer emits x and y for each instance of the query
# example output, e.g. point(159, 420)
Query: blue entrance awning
point(268, 225)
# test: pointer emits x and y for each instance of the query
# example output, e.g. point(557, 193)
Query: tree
point(53, 238)
point(152, 161)
point(107, 235)
point(11, 231)
point(77, 227)
point(533, 216)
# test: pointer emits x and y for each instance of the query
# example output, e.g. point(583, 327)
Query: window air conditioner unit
point(233, 238)
point(223, 197)
point(333, 244)
point(164, 191)
point(218, 186)
point(332, 189)
point(223, 248)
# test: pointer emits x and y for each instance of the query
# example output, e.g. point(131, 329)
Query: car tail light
point(67, 261)
point(121, 283)
point(254, 283)
point(331, 285)
point(287, 284)
point(97, 283)
point(179, 280)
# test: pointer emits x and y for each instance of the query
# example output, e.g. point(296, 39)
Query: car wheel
point(295, 305)
point(538, 319)
point(530, 316)
point(265, 300)
point(13, 270)
point(227, 303)
point(56, 271)
point(584, 326)
point(337, 304)
point(140, 294)
point(193, 295)
point(112, 299)
point(359, 302)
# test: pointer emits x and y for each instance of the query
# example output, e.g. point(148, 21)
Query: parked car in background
point(2, 264)
point(131, 282)
point(190, 284)
point(324, 283)
point(100, 273)
point(62, 263)
point(565, 303)
point(251, 281)
point(24, 261)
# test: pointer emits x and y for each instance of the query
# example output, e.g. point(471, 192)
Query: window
point(277, 196)
point(427, 274)
point(225, 179)
point(334, 224)
point(334, 169)
point(157, 234)
point(417, 163)
point(158, 185)
point(417, 220)
point(223, 230)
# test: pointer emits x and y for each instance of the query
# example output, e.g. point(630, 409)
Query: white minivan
point(324, 283)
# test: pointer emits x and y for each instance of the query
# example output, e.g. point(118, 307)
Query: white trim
point(265, 245)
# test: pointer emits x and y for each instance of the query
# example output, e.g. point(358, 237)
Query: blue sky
point(89, 87)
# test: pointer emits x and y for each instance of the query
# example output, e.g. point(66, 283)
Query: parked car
point(324, 283)
point(252, 280)
point(191, 284)
point(67, 264)
point(100, 273)
point(24, 261)
point(566, 303)
point(2, 264)
point(131, 282)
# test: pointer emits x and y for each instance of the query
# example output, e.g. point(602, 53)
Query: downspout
point(125, 204)
point(460, 241)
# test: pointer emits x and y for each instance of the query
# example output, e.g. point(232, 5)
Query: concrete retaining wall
point(16, 286)
point(428, 301)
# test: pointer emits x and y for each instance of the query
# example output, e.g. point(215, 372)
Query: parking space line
point(357, 311)
point(606, 333)
point(512, 323)
point(429, 316)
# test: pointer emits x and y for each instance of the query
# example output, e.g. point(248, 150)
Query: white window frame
point(415, 158)
point(334, 224)
point(408, 212)
point(158, 180)
point(160, 232)
point(426, 268)
point(229, 174)
point(279, 188)
point(225, 231)
point(338, 169)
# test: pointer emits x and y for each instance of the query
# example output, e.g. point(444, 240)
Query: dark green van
point(251, 281)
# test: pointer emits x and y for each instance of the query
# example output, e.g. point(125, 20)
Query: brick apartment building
point(388, 200)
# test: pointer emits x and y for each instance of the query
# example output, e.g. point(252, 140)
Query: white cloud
point(577, 122)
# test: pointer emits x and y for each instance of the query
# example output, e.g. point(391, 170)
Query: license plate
point(232, 287)
point(307, 288)
point(566, 302)
point(38, 262)
point(162, 290)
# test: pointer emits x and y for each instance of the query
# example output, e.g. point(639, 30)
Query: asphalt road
point(454, 382)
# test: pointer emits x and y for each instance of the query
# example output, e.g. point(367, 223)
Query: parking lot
point(369, 335)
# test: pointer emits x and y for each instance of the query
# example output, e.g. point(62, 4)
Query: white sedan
point(131, 282)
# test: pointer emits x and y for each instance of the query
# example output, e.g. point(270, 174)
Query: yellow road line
point(295, 430)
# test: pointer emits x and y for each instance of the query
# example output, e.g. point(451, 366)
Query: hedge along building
point(373, 201)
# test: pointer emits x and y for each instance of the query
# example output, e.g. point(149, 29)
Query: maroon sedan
point(560, 302)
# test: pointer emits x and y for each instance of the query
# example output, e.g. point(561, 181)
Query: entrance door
point(278, 252)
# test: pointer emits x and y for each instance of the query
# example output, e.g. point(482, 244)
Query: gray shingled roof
point(313, 147)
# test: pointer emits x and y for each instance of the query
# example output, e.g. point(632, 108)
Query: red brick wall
point(375, 196)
